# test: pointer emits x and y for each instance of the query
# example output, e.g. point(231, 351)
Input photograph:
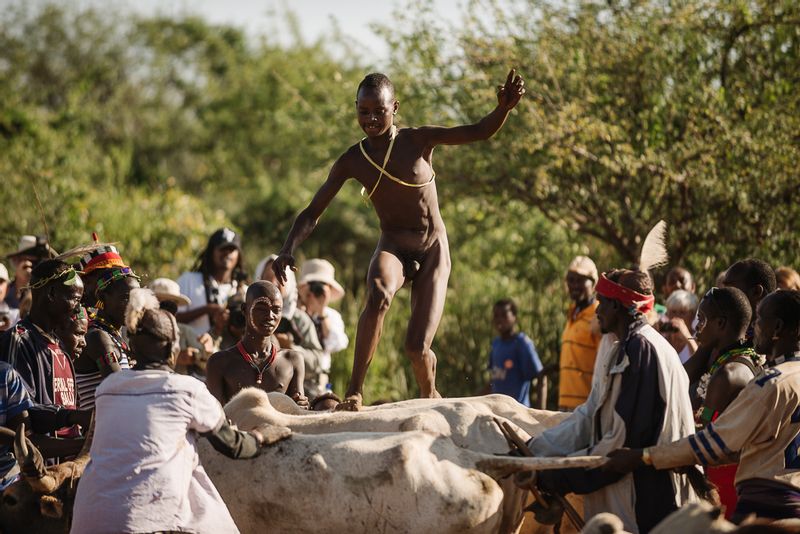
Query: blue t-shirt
point(513, 363)
point(14, 400)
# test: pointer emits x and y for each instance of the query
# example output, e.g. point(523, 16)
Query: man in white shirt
point(216, 277)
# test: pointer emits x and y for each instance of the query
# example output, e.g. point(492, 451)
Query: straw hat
point(166, 289)
point(318, 270)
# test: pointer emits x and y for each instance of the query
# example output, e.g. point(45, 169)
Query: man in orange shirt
point(581, 335)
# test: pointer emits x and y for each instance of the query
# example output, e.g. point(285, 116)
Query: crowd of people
point(713, 381)
point(710, 381)
point(77, 340)
point(653, 386)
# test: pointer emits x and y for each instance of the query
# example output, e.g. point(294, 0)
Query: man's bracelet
point(646, 458)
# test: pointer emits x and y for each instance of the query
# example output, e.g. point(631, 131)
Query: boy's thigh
point(385, 272)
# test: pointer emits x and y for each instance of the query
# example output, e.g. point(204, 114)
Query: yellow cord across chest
point(383, 171)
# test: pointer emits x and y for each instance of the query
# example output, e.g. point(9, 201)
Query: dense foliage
point(155, 131)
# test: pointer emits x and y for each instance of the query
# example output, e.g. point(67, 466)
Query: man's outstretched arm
point(508, 96)
point(307, 219)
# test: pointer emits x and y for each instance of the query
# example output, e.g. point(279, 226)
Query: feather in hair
point(140, 300)
point(654, 249)
point(80, 251)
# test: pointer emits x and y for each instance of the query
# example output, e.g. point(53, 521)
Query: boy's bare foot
point(351, 403)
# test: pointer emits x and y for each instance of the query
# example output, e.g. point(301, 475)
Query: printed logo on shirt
point(63, 379)
point(508, 364)
point(498, 374)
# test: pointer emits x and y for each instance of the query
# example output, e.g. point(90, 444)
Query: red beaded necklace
point(249, 359)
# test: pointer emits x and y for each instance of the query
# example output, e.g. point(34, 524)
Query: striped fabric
point(14, 400)
point(87, 383)
point(14, 397)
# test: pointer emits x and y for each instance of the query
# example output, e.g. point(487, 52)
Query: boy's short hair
point(732, 304)
point(502, 303)
point(757, 272)
point(376, 80)
point(787, 307)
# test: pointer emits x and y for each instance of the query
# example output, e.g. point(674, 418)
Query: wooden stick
point(572, 514)
point(537, 495)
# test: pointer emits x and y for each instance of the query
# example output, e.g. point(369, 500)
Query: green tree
point(636, 111)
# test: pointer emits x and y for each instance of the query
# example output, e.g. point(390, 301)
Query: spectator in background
point(318, 288)
point(787, 278)
point(677, 324)
point(195, 349)
point(8, 315)
point(31, 250)
point(513, 361)
point(581, 335)
point(678, 278)
point(755, 278)
point(217, 276)
point(235, 325)
point(297, 330)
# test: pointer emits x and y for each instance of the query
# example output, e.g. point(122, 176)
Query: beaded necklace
point(101, 324)
point(252, 361)
point(721, 360)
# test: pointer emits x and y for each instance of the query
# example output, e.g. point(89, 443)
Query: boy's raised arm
point(307, 219)
point(508, 96)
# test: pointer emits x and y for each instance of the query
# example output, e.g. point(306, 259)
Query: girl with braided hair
point(145, 474)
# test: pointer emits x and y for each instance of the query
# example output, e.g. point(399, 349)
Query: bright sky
point(264, 16)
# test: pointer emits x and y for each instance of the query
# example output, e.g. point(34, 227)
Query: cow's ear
point(50, 506)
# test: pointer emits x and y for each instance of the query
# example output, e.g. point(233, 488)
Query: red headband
point(629, 298)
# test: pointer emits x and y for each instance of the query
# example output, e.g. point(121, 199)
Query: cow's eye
point(9, 500)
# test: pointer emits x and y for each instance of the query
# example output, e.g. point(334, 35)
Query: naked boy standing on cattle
point(256, 360)
point(394, 167)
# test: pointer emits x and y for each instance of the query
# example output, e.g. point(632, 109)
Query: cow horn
point(83, 457)
point(31, 463)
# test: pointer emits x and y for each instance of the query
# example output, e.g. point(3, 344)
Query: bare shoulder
point(291, 357)
point(344, 163)
point(99, 341)
point(219, 359)
point(737, 374)
point(728, 380)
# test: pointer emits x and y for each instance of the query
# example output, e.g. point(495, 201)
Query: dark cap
point(224, 237)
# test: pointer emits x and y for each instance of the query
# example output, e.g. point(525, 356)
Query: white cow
point(530, 420)
point(359, 482)
point(415, 466)
point(468, 421)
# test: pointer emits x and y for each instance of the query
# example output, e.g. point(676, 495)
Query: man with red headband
point(640, 394)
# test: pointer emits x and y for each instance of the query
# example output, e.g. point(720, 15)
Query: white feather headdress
point(654, 248)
